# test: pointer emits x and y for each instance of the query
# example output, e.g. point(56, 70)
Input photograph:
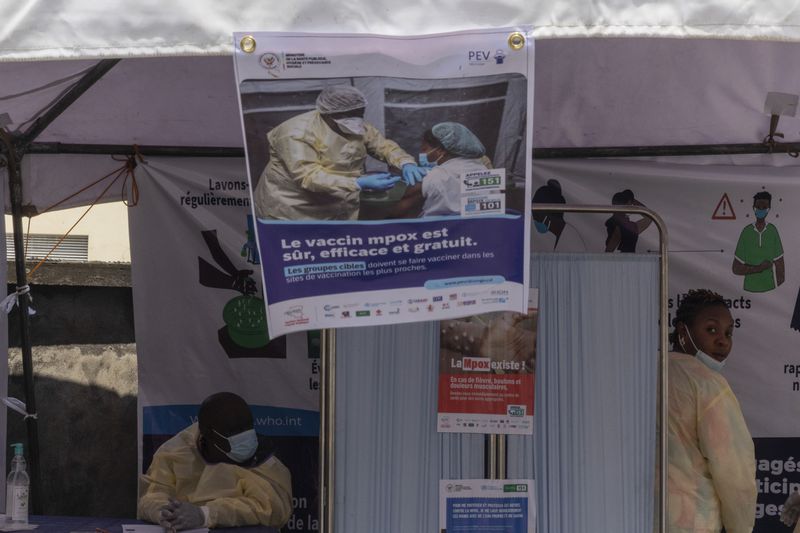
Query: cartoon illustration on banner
point(381, 181)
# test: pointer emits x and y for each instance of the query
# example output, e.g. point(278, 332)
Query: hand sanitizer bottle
point(17, 489)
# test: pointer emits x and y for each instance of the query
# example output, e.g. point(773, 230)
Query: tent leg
point(15, 188)
point(327, 408)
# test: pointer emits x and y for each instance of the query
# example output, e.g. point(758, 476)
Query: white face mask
point(351, 125)
point(243, 445)
point(702, 356)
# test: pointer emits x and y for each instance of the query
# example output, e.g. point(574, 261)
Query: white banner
point(387, 173)
point(710, 212)
point(200, 325)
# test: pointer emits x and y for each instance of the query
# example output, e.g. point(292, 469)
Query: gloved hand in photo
point(380, 182)
point(413, 174)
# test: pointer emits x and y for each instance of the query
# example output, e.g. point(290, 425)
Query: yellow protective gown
point(711, 472)
point(233, 495)
point(311, 170)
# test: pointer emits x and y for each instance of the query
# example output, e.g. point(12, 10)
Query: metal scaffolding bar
point(667, 151)
point(23, 303)
point(81, 86)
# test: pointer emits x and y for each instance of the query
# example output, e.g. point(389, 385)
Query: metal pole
point(53, 148)
point(15, 189)
point(327, 409)
point(490, 457)
point(663, 408)
point(667, 151)
point(502, 462)
point(77, 90)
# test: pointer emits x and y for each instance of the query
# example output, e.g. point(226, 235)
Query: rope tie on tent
point(125, 171)
point(19, 406)
point(12, 299)
point(132, 161)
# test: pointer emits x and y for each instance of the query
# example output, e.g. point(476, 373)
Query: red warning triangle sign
point(724, 210)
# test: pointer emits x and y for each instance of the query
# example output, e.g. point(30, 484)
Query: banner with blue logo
point(201, 325)
point(389, 175)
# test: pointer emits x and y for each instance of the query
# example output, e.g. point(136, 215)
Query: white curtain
point(596, 384)
point(595, 408)
point(389, 457)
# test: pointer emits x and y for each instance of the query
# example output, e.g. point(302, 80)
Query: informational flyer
point(390, 176)
point(486, 372)
point(487, 506)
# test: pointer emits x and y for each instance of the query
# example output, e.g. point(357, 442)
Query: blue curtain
point(594, 441)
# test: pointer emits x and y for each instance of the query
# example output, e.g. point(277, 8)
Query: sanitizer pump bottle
point(17, 489)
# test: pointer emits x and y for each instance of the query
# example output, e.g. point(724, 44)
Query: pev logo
point(476, 364)
point(478, 57)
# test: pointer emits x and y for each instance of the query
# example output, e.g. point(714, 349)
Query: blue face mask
point(761, 213)
point(541, 227)
point(243, 445)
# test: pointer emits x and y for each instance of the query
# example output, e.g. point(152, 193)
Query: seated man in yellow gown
point(213, 474)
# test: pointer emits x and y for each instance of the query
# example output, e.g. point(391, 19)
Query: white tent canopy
point(77, 29)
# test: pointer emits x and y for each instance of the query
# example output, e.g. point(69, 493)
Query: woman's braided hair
point(695, 301)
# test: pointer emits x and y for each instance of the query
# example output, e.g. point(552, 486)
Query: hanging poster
point(731, 231)
point(486, 372)
point(200, 324)
point(487, 506)
point(388, 174)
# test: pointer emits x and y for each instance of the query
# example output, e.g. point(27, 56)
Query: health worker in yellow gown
point(711, 471)
point(215, 474)
point(316, 161)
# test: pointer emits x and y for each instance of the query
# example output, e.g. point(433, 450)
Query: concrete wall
point(86, 388)
point(86, 402)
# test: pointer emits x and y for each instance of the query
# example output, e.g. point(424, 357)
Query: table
point(66, 524)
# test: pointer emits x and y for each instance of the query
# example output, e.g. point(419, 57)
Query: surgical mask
point(704, 358)
point(761, 213)
point(243, 445)
point(541, 227)
point(351, 125)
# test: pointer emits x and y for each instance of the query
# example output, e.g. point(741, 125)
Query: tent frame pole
point(327, 431)
point(23, 302)
point(767, 147)
point(62, 104)
point(56, 148)
point(663, 326)
point(14, 148)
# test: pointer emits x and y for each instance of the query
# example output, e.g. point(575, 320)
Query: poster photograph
point(486, 372)
point(388, 175)
point(487, 506)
